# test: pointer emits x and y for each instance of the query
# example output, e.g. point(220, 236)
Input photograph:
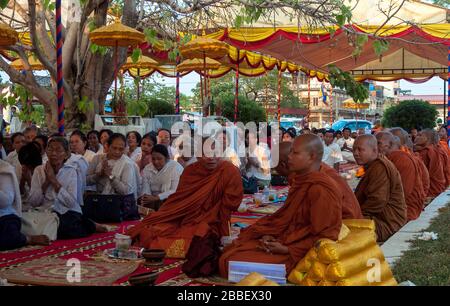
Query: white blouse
point(135, 156)
point(89, 155)
point(10, 201)
point(63, 201)
point(262, 154)
point(161, 183)
point(13, 160)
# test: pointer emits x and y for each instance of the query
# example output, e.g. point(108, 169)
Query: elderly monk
point(410, 173)
point(445, 157)
point(406, 145)
point(380, 192)
point(431, 156)
point(350, 205)
point(313, 210)
point(443, 139)
point(208, 191)
point(283, 175)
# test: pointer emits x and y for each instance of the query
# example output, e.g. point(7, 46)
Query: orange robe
point(433, 161)
point(444, 145)
point(380, 194)
point(313, 210)
point(203, 202)
point(411, 176)
point(423, 169)
point(445, 159)
point(350, 205)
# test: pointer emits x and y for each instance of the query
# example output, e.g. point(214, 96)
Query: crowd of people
point(193, 195)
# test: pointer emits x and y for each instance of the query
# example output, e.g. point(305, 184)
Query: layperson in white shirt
point(184, 149)
point(115, 172)
point(55, 186)
point(134, 145)
point(331, 152)
point(228, 152)
point(160, 178)
point(11, 211)
point(258, 161)
point(104, 136)
point(18, 141)
point(346, 145)
point(30, 133)
point(164, 137)
point(79, 144)
point(147, 143)
point(94, 142)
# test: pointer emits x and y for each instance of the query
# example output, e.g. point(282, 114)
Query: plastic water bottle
point(266, 193)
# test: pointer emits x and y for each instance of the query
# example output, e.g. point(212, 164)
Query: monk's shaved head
point(397, 143)
point(385, 142)
point(404, 137)
point(312, 143)
point(283, 168)
point(306, 154)
point(365, 149)
point(427, 137)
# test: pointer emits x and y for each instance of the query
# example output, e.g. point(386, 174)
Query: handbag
point(250, 185)
point(37, 222)
point(114, 208)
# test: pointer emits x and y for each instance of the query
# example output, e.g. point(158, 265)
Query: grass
point(427, 263)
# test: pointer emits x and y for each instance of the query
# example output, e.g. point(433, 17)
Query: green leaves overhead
point(151, 36)
point(49, 5)
point(136, 55)
point(98, 49)
point(3, 3)
point(341, 79)
point(380, 46)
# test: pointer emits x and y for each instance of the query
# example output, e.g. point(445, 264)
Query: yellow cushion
point(305, 263)
point(317, 271)
point(253, 279)
point(359, 224)
point(362, 278)
point(357, 240)
point(296, 277)
point(351, 265)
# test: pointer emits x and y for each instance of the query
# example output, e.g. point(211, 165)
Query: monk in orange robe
point(380, 191)
point(443, 139)
point(428, 151)
point(410, 173)
point(406, 145)
point(313, 210)
point(208, 192)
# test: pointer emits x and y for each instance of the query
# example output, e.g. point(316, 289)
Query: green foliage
point(248, 110)
point(98, 49)
point(159, 107)
point(344, 80)
point(411, 114)
point(49, 5)
point(85, 127)
point(137, 108)
point(136, 55)
point(380, 47)
point(84, 105)
point(3, 3)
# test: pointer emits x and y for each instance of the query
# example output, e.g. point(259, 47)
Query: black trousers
point(74, 225)
point(10, 235)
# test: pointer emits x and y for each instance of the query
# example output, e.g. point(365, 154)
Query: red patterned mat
point(59, 272)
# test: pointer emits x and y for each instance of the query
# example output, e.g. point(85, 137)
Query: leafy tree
point(249, 110)
point(411, 114)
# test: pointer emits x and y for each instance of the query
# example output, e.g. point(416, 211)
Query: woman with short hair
point(134, 145)
point(79, 145)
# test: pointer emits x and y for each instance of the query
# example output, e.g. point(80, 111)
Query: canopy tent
point(418, 29)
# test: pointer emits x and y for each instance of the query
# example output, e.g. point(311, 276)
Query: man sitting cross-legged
point(313, 210)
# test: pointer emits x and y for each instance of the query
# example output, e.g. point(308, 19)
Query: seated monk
point(406, 145)
point(283, 175)
point(208, 191)
point(410, 173)
point(313, 210)
point(445, 158)
point(443, 139)
point(431, 157)
point(350, 205)
point(380, 191)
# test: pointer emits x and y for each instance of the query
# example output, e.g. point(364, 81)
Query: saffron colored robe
point(380, 195)
point(432, 159)
point(350, 205)
point(411, 176)
point(203, 203)
point(313, 210)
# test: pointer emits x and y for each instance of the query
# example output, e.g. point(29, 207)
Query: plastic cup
point(258, 199)
point(123, 242)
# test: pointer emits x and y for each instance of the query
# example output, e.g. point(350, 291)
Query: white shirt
point(3, 156)
point(13, 160)
point(65, 199)
point(332, 154)
point(89, 155)
point(161, 183)
point(263, 156)
point(10, 201)
point(350, 141)
point(136, 155)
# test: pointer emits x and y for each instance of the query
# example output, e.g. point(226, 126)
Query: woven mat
point(55, 272)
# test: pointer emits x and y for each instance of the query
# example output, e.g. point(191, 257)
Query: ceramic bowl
point(144, 279)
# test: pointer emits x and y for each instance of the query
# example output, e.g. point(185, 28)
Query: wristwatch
point(111, 177)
